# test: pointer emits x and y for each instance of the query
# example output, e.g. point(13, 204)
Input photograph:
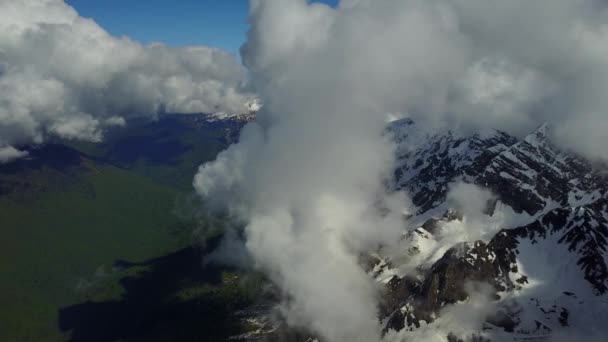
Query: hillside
point(538, 242)
point(70, 211)
point(507, 240)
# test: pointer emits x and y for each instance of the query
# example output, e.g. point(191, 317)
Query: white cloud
point(63, 74)
point(9, 153)
point(81, 127)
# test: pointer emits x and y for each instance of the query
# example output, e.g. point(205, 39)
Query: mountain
point(169, 149)
point(546, 259)
point(69, 211)
point(530, 176)
point(430, 159)
point(253, 106)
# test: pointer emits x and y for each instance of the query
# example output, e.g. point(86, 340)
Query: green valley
point(72, 216)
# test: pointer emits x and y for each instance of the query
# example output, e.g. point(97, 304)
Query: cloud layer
point(466, 64)
point(64, 75)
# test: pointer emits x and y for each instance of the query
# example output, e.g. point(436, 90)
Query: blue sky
point(218, 23)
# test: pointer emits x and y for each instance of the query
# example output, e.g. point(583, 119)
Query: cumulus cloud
point(308, 178)
point(535, 62)
point(63, 74)
point(469, 199)
point(9, 153)
point(466, 64)
point(473, 203)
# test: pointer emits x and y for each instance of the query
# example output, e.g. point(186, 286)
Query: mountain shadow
point(157, 305)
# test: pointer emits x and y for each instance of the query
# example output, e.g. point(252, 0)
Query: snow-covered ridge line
point(531, 175)
point(250, 109)
point(547, 268)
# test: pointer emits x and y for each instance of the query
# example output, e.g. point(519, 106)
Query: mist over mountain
point(505, 240)
point(538, 239)
point(317, 182)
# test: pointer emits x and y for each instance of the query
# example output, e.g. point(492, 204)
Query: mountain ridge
point(557, 252)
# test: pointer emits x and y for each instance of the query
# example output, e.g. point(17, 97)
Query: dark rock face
point(463, 263)
point(447, 280)
point(398, 291)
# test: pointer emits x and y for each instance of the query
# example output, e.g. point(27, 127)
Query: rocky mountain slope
point(544, 268)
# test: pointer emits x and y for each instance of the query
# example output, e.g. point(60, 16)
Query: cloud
point(9, 153)
point(64, 75)
point(469, 199)
point(307, 179)
point(463, 64)
point(548, 67)
point(472, 202)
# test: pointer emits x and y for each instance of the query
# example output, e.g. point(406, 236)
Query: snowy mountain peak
point(250, 109)
point(547, 273)
point(531, 175)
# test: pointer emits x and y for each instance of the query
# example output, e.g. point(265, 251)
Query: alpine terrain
point(537, 245)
